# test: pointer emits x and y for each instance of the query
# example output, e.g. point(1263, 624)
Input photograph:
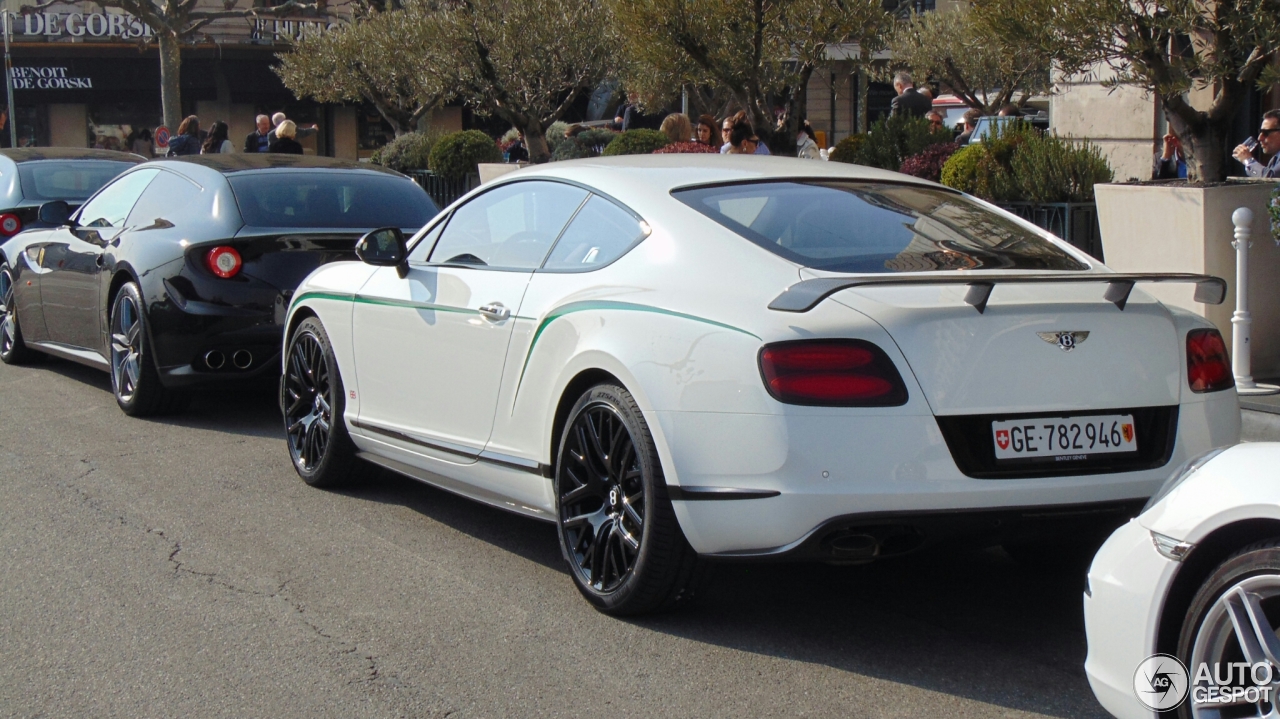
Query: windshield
point(69, 180)
point(330, 199)
point(847, 226)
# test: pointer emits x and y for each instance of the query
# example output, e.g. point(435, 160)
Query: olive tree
point(399, 61)
point(762, 52)
point(173, 21)
point(1199, 58)
point(984, 69)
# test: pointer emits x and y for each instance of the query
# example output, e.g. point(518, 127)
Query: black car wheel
point(312, 398)
point(12, 349)
point(618, 531)
point(134, 378)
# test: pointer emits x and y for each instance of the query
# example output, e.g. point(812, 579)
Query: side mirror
point(384, 248)
point(56, 213)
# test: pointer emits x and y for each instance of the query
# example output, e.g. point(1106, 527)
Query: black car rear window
point(69, 180)
point(849, 226)
point(330, 199)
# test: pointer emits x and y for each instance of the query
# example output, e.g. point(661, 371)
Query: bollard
point(1241, 362)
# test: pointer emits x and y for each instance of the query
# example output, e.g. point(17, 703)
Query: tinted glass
point(70, 180)
point(600, 233)
point(110, 207)
point(512, 226)
point(165, 198)
point(875, 227)
point(331, 198)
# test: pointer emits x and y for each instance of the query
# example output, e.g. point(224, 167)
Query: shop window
point(111, 125)
point(373, 131)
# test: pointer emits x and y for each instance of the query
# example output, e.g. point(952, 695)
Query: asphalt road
point(178, 567)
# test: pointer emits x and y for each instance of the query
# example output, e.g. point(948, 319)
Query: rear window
point(875, 227)
point(333, 199)
point(70, 180)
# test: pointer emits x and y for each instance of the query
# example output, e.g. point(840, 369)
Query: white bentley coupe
point(682, 356)
point(1182, 606)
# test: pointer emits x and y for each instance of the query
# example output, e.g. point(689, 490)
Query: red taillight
point(1208, 366)
point(836, 373)
point(223, 261)
point(10, 224)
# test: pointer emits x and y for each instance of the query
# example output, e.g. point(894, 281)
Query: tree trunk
point(170, 79)
point(1204, 147)
point(535, 141)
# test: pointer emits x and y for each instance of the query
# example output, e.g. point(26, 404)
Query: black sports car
point(33, 176)
point(179, 272)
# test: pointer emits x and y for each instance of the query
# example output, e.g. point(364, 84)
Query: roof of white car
point(660, 174)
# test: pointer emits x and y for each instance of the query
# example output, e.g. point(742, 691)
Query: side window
point(511, 227)
point(164, 198)
point(420, 250)
point(601, 233)
point(112, 204)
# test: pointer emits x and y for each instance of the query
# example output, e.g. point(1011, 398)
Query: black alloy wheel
point(313, 402)
point(135, 382)
point(618, 531)
point(12, 349)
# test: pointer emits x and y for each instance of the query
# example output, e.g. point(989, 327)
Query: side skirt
point(461, 489)
point(75, 354)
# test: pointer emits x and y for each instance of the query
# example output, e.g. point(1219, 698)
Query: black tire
point(1253, 570)
point(135, 382)
point(13, 350)
point(605, 497)
point(313, 403)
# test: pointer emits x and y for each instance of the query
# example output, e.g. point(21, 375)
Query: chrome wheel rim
point(7, 329)
point(126, 348)
point(1240, 627)
point(308, 411)
point(600, 484)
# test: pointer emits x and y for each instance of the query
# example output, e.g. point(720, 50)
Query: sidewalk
point(1260, 417)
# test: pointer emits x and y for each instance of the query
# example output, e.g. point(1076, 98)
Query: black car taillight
point(10, 224)
point(223, 261)
point(831, 373)
point(1208, 365)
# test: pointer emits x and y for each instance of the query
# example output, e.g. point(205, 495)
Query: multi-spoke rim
point(602, 500)
point(126, 347)
point(308, 401)
point(7, 330)
point(1241, 627)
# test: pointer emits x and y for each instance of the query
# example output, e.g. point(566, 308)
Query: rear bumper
point(244, 338)
point(878, 469)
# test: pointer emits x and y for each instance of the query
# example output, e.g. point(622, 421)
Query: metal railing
point(442, 191)
point(1075, 222)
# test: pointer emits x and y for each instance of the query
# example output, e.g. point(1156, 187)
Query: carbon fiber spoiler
point(807, 294)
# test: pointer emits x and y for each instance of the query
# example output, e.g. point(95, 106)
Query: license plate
point(1065, 438)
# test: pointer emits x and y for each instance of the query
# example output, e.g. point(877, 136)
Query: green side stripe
point(340, 296)
point(383, 302)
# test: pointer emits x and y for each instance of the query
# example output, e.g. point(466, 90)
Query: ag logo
point(1160, 682)
point(1002, 438)
point(1066, 341)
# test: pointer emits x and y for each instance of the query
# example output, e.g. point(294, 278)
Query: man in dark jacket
point(909, 101)
point(259, 140)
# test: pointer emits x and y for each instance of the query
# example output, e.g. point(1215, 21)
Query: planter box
point(1075, 222)
point(1171, 228)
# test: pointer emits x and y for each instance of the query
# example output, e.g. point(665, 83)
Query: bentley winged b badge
point(1066, 341)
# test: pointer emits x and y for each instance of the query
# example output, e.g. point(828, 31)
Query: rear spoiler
point(807, 294)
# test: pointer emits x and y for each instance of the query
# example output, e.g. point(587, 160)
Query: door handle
point(495, 311)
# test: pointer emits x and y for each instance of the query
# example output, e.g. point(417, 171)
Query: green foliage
point(408, 152)
point(555, 135)
point(847, 149)
point(636, 142)
point(1023, 165)
point(961, 170)
point(588, 143)
point(456, 155)
point(894, 139)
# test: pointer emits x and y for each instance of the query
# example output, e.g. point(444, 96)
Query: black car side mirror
point(56, 213)
point(384, 247)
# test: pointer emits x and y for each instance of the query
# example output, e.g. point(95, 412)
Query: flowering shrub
point(927, 164)
point(687, 147)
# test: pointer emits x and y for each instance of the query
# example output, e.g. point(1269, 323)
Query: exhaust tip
point(855, 546)
point(215, 359)
point(242, 359)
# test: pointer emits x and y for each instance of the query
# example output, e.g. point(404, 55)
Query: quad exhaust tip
point(242, 359)
point(215, 359)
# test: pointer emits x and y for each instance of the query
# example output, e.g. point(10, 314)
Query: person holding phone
point(1269, 141)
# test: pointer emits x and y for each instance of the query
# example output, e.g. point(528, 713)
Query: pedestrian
point(909, 101)
point(677, 127)
point(935, 120)
point(517, 151)
point(1269, 142)
point(970, 123)
point(807, 143)
point(260, 139)
point(707, 133)
point(285, 142)
point(630, 116)
point(216, 142)
point(740, 140)
point(1170, 164)
point(299, 132)
point(731, 122)
point(142, 144)
point(187, 141)
point(756, 147)
point(1010, 110)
